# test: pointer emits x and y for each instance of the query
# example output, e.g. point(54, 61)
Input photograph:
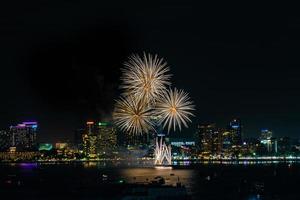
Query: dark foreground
point(124, 181)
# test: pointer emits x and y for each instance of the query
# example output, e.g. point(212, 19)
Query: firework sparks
point(146, 78)
point(174, 108)
point(132, 115)
point(144, 82)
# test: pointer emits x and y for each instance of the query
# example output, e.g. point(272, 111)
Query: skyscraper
point(265, 134)
point(106, 138)
point(89, 138)
point(235, 128)
point(23, 136)
point(204, 136)
point(217, 141)
point(98, 139)
point(267, 139)
point(209, 139)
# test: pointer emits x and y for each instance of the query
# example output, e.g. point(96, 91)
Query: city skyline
point(234, 124)
point(61, 67)
point(102, 140)
point(149, 100)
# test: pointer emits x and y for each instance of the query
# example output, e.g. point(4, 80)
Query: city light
point(102, 123)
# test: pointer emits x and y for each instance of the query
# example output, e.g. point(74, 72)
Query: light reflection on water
point(145, 164)
point(200, 178)
point(171, 176)
point(231, 162)
point(148, 163)
point(183, 163)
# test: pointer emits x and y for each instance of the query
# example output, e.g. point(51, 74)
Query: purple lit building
point(23, 136)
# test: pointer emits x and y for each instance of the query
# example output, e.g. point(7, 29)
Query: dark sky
point(60, 61)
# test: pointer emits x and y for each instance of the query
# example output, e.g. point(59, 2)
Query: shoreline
point(175, 162)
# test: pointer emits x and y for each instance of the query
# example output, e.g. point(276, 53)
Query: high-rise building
point(265, 134)
point(106, 138)
point(92, 146)
point(284, 145)
point(227, 140)
point(209, 138)
point(4, 140)
point(86, 144)
point(23, 136)
point(235, 128)
point(267, 139)
point(89, 138)
point(204, 135)
point(217, 141)
point(98, 139)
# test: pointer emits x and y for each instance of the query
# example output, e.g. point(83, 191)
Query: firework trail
point(146, 78)
point(132, 115)
point(174, 109)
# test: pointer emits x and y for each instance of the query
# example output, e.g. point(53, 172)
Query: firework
point(132, 115)
point(174, 109)
point(146, 78)
point(145, 95)
point(162, 152)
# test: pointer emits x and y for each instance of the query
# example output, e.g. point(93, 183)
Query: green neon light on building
point(103, 124)
point(45, 147)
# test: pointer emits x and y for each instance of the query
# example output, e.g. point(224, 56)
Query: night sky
point(60, 61)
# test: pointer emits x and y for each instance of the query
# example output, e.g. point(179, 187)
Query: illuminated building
point(45, 147)
point(265, 139)
point(13, 155)
point(266, 134)
point(61, 148)
point(227, 140)
point(235, 128)
point(89, 140)
point(98, 139)
point(107, 138)
point(204, 137)
point(12, 150)
point(182, 148)
point(268, 141)
point(90, 127)
point(19, 156)
point(210, 139)
point(92, 139)
point(284, 145)
point(179, 143)
point(64, 150)
point(4, 140)
point(92, 151)
point(85, 139)
point(217, 141)
point(61, 145)
point(24, 136)
point(275, 145)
